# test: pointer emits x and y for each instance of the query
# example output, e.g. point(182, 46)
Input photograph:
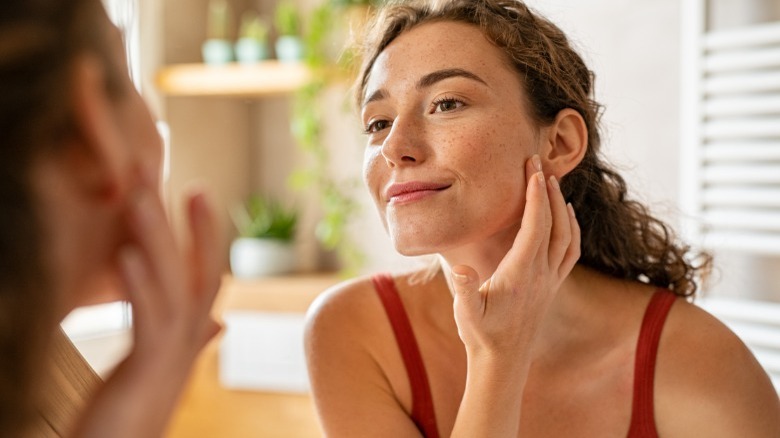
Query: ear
point(565, 144)
point(97, 155)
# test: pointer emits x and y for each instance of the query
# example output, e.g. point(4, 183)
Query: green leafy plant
point(307, 126)
point(265, 218)
point(253, 26)
point(218, 19)
point(287, 19)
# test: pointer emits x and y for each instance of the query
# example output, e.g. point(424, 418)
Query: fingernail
point(554, 183)
point(571, 210)
point(460, 278)
point(537, 162)
point(540, 177)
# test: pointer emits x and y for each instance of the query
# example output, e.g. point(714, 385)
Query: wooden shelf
point(232, 80)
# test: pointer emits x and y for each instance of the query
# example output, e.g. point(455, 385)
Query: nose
point(403, 144)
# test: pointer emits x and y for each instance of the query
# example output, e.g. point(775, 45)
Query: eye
point(376, 126)
point(446, 104)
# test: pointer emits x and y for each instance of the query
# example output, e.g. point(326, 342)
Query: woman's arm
point(172, 295)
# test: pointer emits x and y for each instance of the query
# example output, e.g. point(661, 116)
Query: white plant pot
point(250, 51)
point(217, 51)
point(252, 258)
point(289, 48)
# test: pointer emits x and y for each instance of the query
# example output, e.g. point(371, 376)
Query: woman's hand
point(498, 320)
point(171, 293)
point(501, 316)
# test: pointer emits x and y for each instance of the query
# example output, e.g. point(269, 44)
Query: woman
point(482, 144)
point(82, 215)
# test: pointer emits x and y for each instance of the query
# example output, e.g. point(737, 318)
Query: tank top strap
point(642, 409)
point(423, 414)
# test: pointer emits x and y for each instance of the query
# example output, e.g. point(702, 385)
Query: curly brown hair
point(620, 237)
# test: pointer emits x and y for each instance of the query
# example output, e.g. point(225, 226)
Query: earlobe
point(95, 150)
point(567, 142)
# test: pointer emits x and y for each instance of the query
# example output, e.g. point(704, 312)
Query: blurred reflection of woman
point(80, 215)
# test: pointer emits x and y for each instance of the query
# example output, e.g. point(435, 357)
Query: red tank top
point(423, 415)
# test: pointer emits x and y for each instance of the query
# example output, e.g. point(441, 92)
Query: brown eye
point(445, 105)
point(376, 126)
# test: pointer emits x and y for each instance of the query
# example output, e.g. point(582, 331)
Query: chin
point(412, 252)
point(411, 246)
point(423, 233)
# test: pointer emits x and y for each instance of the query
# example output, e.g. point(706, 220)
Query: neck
point(483, 255)
point(570, 312)
point(569, 324)
point(569, 317)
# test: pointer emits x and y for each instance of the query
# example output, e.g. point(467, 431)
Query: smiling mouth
point(412, 191)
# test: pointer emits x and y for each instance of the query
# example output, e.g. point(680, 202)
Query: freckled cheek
point(372, 168)
point(373, 173)
point(495, 165)
point(479, 154)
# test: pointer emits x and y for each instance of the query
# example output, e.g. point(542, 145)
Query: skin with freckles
point(460, 129)
point(516, 338)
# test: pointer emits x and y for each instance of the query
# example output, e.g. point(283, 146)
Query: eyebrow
point(440, 75)
point(429, 80)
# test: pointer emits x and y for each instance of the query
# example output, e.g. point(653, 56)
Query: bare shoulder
point(353, 306)
point(346, 309)
point(353, 362)
point(707, 381)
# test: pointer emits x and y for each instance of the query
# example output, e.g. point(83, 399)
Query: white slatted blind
point(731, 134)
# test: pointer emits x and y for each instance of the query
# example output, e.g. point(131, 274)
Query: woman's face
point(139, 140)
point(139, 144)
point(448, 135)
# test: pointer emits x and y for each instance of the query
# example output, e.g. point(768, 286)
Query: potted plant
point(252, 44)
point(336, 200)
point(289, 46)
point(265, 242)
point(217, 49)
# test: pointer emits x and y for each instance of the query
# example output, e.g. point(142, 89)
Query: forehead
point(441, 45)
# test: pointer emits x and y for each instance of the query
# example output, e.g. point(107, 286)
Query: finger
point(535, 225)
point(212, 329)
point(469, 299)
point(156, 242)
point(573, 251)
point(204, 250)
point(137, 284)
point(560, 234)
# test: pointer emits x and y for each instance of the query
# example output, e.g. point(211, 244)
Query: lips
point(412, 190)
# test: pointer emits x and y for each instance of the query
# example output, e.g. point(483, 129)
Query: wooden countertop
point(208, 410)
